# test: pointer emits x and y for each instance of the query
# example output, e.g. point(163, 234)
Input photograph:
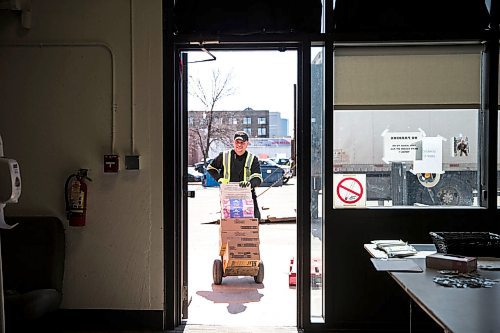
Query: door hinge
point(184, 293)
point(185, 302)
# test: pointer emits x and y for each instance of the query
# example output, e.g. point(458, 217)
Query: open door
point(175, 191)
point(228, 297)
point(183, 98)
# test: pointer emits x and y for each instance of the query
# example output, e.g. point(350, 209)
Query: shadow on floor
point(235, 291)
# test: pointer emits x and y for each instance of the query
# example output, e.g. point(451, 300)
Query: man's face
point(240, 147)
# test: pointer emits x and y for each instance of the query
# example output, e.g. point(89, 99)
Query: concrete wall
point(64, 82)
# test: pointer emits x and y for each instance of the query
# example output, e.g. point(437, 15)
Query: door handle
point(190, 194)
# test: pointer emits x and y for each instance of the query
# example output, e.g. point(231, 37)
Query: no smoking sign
point(349, 190)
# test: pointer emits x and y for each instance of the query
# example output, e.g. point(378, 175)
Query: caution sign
point(349, 190)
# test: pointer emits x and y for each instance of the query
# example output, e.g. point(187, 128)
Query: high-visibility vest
point(247, 173)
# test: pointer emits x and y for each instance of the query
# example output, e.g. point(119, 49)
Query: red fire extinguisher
point(75, 194)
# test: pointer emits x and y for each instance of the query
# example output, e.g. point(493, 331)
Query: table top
point(467, 310)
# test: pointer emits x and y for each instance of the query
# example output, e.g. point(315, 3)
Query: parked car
point(193, 175)
point(286, 164)
point(201, 167)
point(281, 160)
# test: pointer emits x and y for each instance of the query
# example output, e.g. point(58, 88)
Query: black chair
point(33, 267)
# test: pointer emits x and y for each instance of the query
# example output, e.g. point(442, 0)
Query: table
point(467, 310)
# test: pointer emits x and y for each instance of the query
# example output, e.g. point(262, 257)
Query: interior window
point(406, 158)
point(406, 126)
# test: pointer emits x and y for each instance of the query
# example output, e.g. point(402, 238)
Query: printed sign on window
point(350, 190)
point(400, 146)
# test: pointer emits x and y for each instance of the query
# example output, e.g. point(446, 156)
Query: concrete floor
point(239, 304)
point(229, 329)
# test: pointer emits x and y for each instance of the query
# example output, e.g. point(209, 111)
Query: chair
point(33, 267)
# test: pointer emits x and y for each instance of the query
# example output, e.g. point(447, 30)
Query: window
point(262, 131)
point(248, 131)
point(261, 120)
point(247, 121)
point(406, 157)
point(425, 154)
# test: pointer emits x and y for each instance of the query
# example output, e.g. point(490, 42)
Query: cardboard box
point(241, 263)
point(239, 224)
point(235, 201)
point(236, 247)
point(243, 246)
point(243, 235)
point(458, 263)
point(243, 270)
point(236, 237)
point(234, 208)
point(236, 251)
point(238, 230)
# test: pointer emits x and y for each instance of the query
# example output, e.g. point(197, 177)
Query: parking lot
point(239, 301)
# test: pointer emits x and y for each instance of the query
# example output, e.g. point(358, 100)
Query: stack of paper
point(395, 248)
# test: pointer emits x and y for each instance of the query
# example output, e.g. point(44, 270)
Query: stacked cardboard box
point(239, 232)
point(235, 201)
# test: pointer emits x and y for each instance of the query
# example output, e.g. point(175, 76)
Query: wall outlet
point(111, 163)
point(132, 162)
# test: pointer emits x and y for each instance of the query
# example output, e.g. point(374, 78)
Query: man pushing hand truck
point(238, 172)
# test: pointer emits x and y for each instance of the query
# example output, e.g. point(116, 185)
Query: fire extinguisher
point(75, 194)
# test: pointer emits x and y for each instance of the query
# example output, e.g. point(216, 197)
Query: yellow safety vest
point(226, 163)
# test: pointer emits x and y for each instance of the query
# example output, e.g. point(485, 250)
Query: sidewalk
point(239, 301)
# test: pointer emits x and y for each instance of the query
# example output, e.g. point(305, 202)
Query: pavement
point(239, 301)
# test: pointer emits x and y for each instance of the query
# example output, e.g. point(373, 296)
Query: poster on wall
point(460, 146)
point(349, 190)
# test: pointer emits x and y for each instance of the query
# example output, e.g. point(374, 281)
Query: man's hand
point(223, 181)
point(244, 184)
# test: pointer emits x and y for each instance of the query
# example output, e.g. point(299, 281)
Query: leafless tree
point(209, 125)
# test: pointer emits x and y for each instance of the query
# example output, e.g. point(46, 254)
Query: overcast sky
point(263, 80)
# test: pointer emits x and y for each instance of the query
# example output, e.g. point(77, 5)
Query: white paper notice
point(431, 160)
point(400, 146)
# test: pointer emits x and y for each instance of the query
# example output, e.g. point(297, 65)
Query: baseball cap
point(240, 135)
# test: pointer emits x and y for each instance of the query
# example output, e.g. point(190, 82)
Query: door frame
point(174, 184)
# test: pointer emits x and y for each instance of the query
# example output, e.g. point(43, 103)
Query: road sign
point(350, 190)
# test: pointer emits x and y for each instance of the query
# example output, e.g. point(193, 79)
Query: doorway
point(251, 91)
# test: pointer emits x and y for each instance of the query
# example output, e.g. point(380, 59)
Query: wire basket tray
point(475, 244)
